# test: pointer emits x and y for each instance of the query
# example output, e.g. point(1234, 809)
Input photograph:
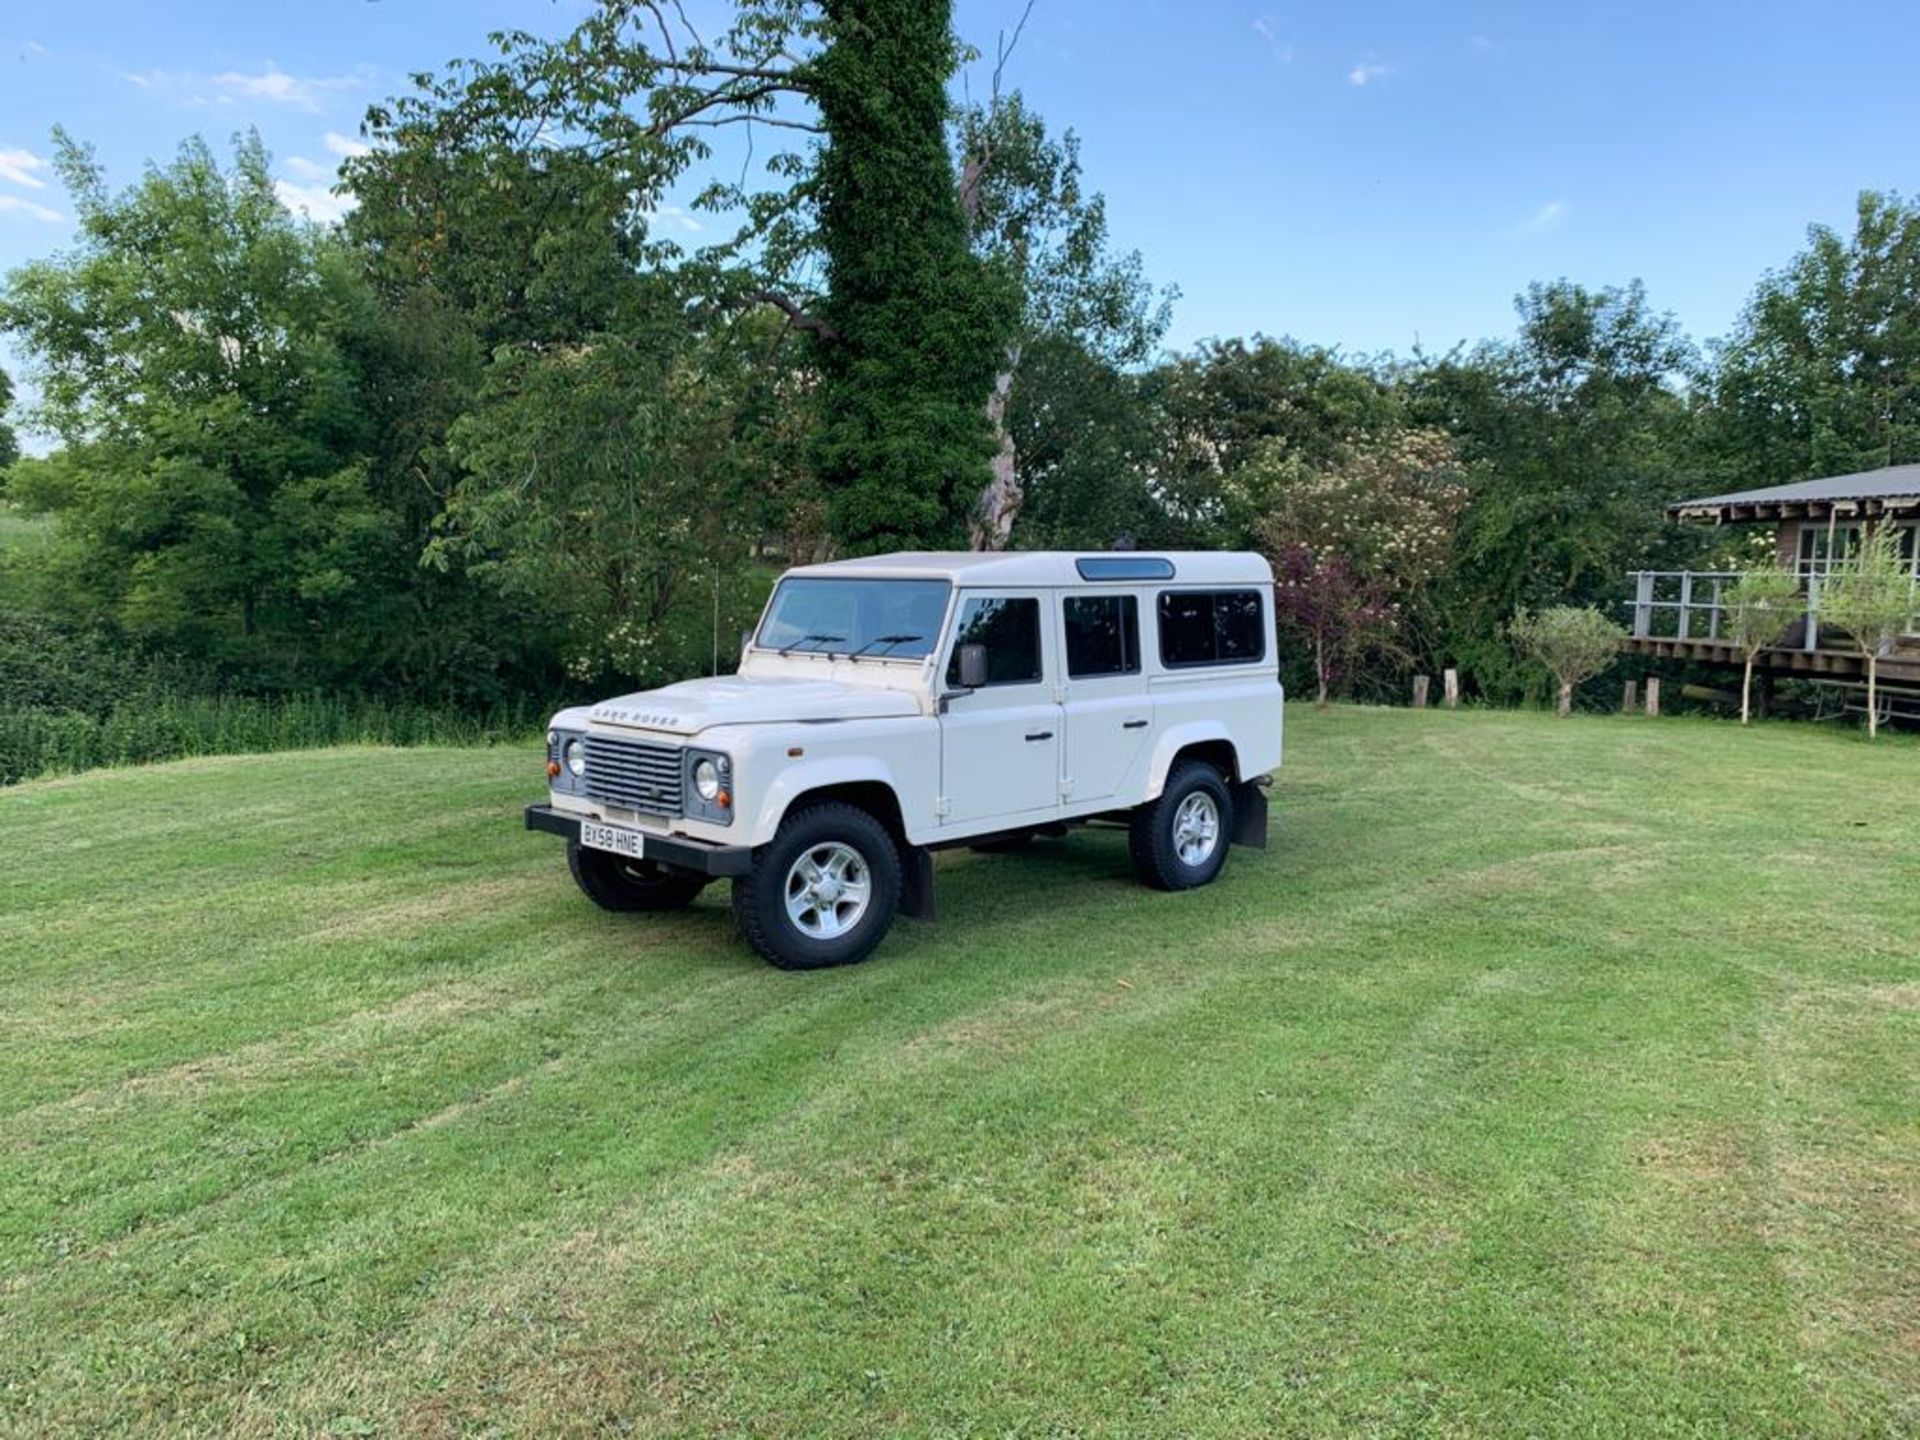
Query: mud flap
point(916, 882)
point(1250, 815)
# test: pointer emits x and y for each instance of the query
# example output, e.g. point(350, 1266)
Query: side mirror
point(973, 666)
point(746, 641)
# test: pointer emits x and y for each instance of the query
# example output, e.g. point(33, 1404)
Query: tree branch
point(798, 318)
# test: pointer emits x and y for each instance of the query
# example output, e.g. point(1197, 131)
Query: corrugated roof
point(1893, 481)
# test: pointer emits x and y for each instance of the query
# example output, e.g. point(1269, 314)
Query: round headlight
point(706, 779)
point(577, 756)
point(553, 738)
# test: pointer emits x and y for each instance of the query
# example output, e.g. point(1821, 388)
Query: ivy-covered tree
point(594, 128)
point(914, 324)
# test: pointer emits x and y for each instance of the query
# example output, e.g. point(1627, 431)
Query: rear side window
point(1103, 635)
point(1010, 629)
point(1211, 627)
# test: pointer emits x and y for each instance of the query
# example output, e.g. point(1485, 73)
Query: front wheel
point(614, 882)
point(822, 892)
point(1180, 840)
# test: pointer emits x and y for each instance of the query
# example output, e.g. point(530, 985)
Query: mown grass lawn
point(1542, 1079)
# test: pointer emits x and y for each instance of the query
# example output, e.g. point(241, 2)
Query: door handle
point(1040, 735)
point(1133, 725)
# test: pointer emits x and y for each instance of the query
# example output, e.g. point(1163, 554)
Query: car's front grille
point(634, 774)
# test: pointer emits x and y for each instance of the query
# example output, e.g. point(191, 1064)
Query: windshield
point(887, 619)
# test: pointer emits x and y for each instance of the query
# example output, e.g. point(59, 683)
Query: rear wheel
point(822, 892)
point(1180, 840)
point(614, 882)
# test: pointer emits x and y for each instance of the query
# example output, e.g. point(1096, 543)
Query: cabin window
point(1010, 629)
point(1211, 627)
point(1103, 635)
point(1823, 547)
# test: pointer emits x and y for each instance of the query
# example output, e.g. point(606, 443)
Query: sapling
point(1755, 612)
point(1871, 596)
point(1574, 642)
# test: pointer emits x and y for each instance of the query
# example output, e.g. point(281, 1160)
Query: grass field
point(1542, 1079)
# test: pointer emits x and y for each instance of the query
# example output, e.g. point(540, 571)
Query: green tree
point(1822, 374)
point(1578, 434)
point(917, 324)
point(193, 354)
point(1871, 596)
point(1574, 642)
point(1756, 611)
point(1229, 408)
point(1028, 212)
point(603, 122)
point(9, 446)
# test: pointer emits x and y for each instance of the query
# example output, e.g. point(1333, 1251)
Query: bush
point(1572, 641)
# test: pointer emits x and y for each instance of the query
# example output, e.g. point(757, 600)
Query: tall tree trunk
point(1320, 669)
point(1746, 692)
point(992, 524)
point(1873, 696)
point(1566, 698)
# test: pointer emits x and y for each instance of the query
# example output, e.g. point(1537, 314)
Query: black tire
point(760, 897)
point(1151, 838)
point(615, 883)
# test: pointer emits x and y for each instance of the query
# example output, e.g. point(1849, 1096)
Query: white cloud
point(14, 204)
point(277, 86)
point(344, 146)
point(1268, 29)
point(269, 85)
point(316, 202)
point(305, 169)
point(17, 167)
point(680, 217)
point(1547, 217)
point(1368, 71)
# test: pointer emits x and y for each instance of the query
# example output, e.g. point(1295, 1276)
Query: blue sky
point(1366, 175)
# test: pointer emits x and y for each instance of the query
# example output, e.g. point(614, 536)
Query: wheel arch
point(1200, 740)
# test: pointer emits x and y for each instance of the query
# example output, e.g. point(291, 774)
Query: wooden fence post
point(1420, 692)
point(1630, 698)
point(1653, 695)
point(1452, 679)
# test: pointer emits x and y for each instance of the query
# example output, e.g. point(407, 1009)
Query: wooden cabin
point(1816, 523)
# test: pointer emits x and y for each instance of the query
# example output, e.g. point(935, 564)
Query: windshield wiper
point(817, 639)
point(888, 640)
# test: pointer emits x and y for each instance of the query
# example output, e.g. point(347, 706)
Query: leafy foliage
point(9, 445)
point(1573, 642)
point(1871, 596)
point(1756, 611)
point(1333, 611)
point(1822, 374)
point(918, 320)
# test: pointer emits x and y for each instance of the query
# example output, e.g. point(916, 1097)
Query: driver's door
point(1000, 744)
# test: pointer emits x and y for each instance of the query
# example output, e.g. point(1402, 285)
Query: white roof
point(1048, 567)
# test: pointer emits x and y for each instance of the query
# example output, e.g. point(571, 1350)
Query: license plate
point(596, 836)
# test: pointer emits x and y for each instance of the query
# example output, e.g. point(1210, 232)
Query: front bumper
point(717, 860)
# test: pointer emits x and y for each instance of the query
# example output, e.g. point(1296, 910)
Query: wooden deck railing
point(1689, 605)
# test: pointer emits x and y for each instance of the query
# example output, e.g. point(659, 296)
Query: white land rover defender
point(893, 706)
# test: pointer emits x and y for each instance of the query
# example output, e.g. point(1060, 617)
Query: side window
point(1103, 635)
point(1010, 629)
point(1211, 627)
